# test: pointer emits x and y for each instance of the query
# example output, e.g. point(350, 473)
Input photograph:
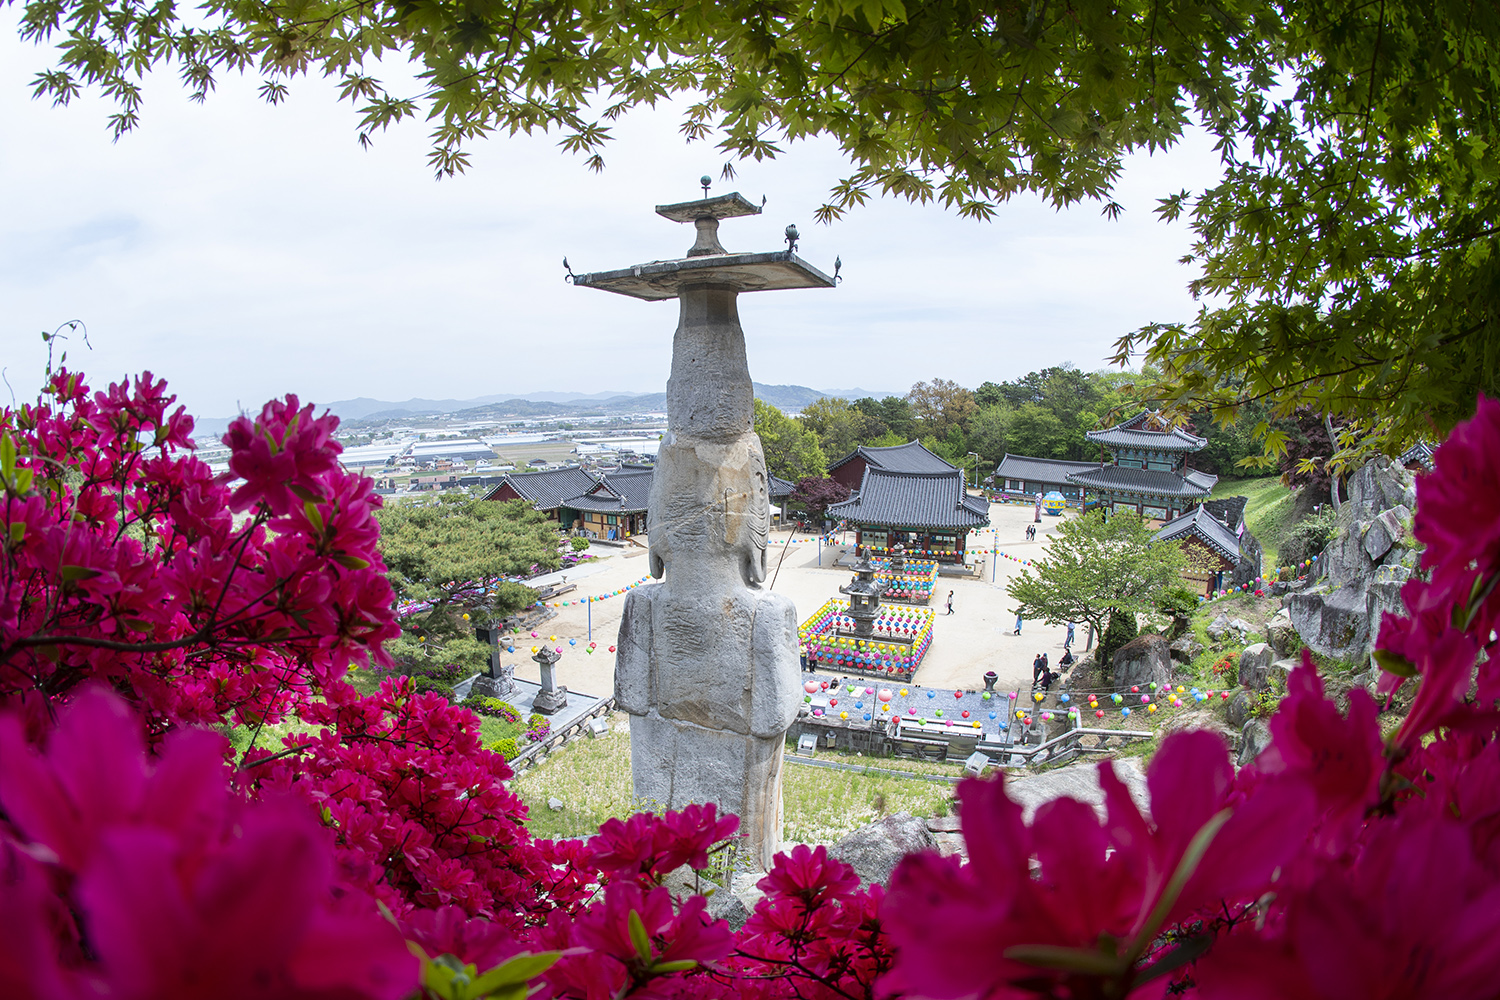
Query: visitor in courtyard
point(950, 602)
point(1018, 622)
point(1067, 658)
point(1069, 640)
point(1038, 669)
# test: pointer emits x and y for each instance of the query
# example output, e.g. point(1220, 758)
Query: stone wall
point(1361, 572)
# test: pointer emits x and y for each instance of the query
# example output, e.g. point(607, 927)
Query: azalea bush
point(380, 853)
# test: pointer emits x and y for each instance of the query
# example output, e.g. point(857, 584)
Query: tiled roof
point(781, 487)
point(1229, 511)
point(1133, 434)
point(1044, 470)
point(1161, 484)
point(1420, 452)
point(908, 457)
point(1203, 525)
point(913, 500)
point(623, 492)
point(548, 490)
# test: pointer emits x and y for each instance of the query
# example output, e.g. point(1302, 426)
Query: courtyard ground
point(977, 637)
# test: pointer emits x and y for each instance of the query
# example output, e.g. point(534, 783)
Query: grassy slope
point(591, 777)
point(1268, 514)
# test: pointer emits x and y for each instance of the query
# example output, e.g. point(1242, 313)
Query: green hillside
point(1269, 512)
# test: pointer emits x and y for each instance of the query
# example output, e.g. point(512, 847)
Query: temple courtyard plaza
point(975, 638)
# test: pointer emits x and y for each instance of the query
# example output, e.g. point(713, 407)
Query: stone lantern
point(708, 666)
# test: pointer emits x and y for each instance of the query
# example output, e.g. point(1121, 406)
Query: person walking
point(1038, 669)
point(1069, 640)
point(950, 602)
point(1018, 622)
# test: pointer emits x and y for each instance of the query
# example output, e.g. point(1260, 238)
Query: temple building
point(1147, 471)
point(1025, 476)
point(908, 457)
point(1221, 552)
point(610, 507)
point(910, 496)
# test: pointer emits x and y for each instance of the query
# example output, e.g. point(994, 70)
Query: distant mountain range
point(550, 404)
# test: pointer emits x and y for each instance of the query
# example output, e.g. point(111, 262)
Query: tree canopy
point(1349, 254)
point(458, 546)
point(792, 451)
point(1094, 567)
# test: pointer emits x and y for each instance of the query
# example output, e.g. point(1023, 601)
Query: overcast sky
point(244, 251)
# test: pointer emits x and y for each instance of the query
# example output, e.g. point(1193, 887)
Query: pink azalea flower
point(1417, 915)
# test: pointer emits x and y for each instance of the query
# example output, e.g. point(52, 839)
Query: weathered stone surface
point(874, 851)
point(555, 804)
point(1218, 627)
point(1281, 635)
point(1254, 739)
point(1244, 628)
point(1145, 660)
point(1255, 666)
point(1384, 531)
point(502, 687)
point(725, 905)
point(1237, 712)
point(1285, 667)
point(708, 667)
point(1077, 781)
point(1332, 622)
point(1184, 648)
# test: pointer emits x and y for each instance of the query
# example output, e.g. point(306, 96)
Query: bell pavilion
point(1147, 471)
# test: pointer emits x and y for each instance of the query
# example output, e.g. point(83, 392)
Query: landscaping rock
point(556, 805)
point(1237, 712)
point(1363, 566)
point(725, 905)
point(1386, 530)
point(1255, 666)
point(874, 851)
point(1076, 781)
point(1184, 648)
point(1280, 635)
point(1244, 628)
point(1218, 627)
point(1145, 660)
point(1284, 667)
point(1254, 739)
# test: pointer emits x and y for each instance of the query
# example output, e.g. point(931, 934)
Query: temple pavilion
point(907, 495)
point(1146, 472)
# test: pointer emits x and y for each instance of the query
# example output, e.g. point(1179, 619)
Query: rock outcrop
point(1145, 661)
point(874, 851)
point(1362, 569)
point(1255, 666)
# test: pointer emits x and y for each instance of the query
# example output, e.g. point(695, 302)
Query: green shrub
point(505, 747)
point(494, 708)
point(537, 727)
point(1122, 628)
point(1308, 537)
point(424, 683)
point(579, 544)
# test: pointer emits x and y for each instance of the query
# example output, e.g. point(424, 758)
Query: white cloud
point(245, 251)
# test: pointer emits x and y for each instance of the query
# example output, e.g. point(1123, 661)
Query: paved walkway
point(975, 638)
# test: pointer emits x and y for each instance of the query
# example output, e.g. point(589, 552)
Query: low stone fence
point(535, 753)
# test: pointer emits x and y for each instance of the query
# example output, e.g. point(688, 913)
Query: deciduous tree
point(1093, 567)
point(792, 451)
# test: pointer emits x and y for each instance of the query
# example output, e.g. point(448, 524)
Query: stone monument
point(708, 666)
point(553, 697)
point(499, 680)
